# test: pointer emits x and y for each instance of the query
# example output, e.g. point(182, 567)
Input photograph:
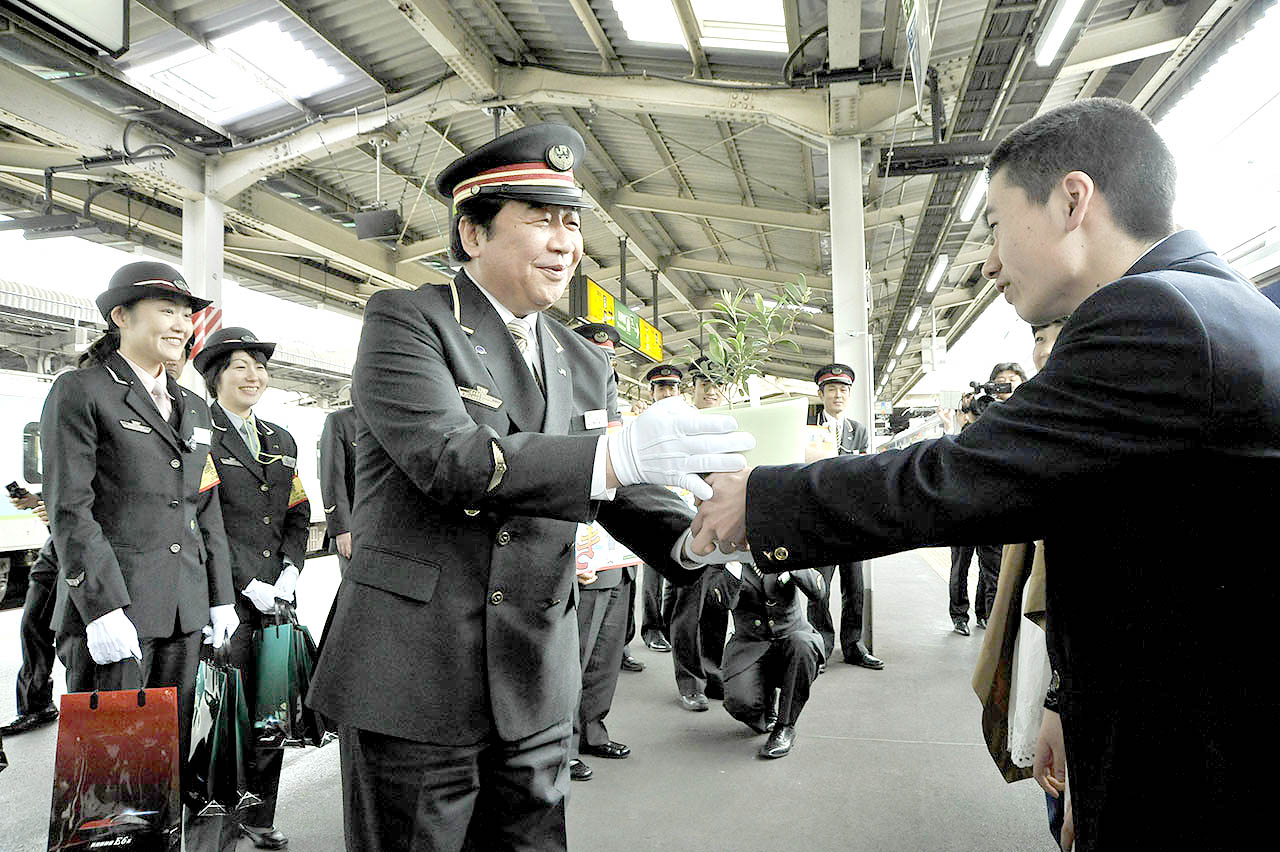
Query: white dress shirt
point(157, 387)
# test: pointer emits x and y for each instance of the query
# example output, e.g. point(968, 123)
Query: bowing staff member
point(338, 480)
point(266, 516)
point(1160, 409)
point(133, 506)
point(773, 649)
point(451, 658)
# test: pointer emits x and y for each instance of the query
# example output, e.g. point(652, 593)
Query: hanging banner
point(919, 43)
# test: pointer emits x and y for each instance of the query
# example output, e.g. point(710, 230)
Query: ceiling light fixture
point(935, 274)
point(902, 345)
point(915, 318)
point(1050, 38)
point(977, 191)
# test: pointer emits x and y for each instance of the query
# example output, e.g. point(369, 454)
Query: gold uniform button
point(266, 554)
point(771, 622)
point(267, 520)
point(175, 464)
point(504, 538)
point(496, 597)
point(264, 488)
point(175, 548)
point(781, 553)
point(756, 622)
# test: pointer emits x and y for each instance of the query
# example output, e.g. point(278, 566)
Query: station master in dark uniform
point(452, 655)
point(338, 480)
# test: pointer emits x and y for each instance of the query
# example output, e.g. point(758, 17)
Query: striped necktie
point(250, 435)
point(520, 334)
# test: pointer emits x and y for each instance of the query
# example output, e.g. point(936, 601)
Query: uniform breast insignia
point(136, 426)
point(74, 582)
point(231, 461)
point(480, 395)
point(499, 466)
point(329, 510)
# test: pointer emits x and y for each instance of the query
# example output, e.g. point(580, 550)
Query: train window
point(31, 452)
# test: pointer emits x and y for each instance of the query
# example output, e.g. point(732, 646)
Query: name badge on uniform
point(201, 435)
point(231, 461)
point(596, 419)
point(136, 426)
point(288, 461)
point(480, 395)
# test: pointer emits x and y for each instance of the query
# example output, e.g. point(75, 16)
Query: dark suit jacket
point(853, 435)
point(1147, 455)
point(338, 470)
point(133, 505)
point(265, 511)
point(456, 616)
point(764, 610)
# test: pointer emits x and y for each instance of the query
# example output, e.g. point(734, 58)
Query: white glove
point(223, 621)
point(697, 561)
point(286, 583)
point(112, 638)
point(261, 595)
point(671, 443)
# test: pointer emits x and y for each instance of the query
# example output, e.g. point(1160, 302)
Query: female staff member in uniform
point(130, 491)
point(266, 515)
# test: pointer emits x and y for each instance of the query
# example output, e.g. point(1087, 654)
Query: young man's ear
point(1081, 193)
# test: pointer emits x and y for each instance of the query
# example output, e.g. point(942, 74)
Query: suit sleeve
point(406, 395)
point(334, 447)
point(809, 581)
point(217, 552)
point(69, 434)
point(1125, 392)
point(725, 587)
point(297, 519)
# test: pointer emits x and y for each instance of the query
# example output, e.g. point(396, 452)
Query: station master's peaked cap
point(664, 374)
point(601, 334)
point(842, 373)
point(534, 164)
point(146, 279)
point(230, 339)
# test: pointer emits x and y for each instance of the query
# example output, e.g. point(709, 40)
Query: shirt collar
point(236, 420)
point(150, 382)
point(530, 321)
point(827, 419)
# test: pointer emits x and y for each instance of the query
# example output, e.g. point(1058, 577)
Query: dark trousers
point(35, 678)
point(789, 666)
point(698, 626)
point(167, 661)
point(852, 598)
point(262, 774)
point(602, 622)
point(988, 578)
point(654, 620)
point(405, 796)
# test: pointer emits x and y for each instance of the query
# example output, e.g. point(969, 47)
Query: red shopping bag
point(115, 782)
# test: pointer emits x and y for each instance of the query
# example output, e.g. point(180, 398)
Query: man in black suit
point(1160, 411)
point(835, 384)
point(451, 659)
point(338, 480)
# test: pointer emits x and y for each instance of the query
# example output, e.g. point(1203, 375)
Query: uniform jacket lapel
point(269, 440)
point(513, 383)
point(233, 442)
point(140, 401)
point(556, 377)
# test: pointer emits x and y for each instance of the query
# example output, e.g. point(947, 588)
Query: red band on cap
point(516, 174)
point(835, 377)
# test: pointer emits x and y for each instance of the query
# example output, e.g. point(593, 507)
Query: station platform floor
point(884, 760)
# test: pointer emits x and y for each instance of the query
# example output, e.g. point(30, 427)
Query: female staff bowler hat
point(146, 279)
point(227, 340)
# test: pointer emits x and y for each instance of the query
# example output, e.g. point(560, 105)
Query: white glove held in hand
point(261, 595)
point(286, 583)
point(715, 557)
point(112, 638)
point(671, 443)
point(223, 621)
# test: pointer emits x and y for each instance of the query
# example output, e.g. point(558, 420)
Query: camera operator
point(1004, 380)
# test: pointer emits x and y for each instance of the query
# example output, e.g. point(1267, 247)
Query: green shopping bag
point(277, 700)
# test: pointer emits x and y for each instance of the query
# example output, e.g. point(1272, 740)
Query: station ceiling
point(707, 159)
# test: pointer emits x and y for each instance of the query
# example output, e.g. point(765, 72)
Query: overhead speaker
point(376, 224)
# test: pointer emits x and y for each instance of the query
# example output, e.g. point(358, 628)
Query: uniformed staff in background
point(664, 382)
point(698, 621)
point(773, 656)
point(451, 658)
point(266, 516)
point(835, 385)
point(131, 491)
point(338, 480)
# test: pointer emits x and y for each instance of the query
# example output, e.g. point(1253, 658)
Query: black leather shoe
point(265, 838)
point(611, 750)
point(579, 771)
point(962, 627)
point(631, 664)
point(659, 644)
point(981, 623)
point(30, 721)
point(694, 701)
point(715, 689)
point(779, 742)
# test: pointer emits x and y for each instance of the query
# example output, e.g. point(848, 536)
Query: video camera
point(983, 395)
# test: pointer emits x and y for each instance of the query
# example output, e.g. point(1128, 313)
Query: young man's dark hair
point(1137, 175)
point(481, 211)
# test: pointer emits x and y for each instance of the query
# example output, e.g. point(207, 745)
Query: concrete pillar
point(202, 223)
point(848, 273)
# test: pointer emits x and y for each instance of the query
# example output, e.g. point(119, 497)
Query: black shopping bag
point(220, 739)
point(115, 780)
point(285, 658)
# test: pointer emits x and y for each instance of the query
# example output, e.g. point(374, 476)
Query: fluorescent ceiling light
point(893, 362)
point(902, 345)
point(734, 24)
point(915, 318)
point(216, 88)
point(935, 274)
point(977, 191)
point(1055, 30)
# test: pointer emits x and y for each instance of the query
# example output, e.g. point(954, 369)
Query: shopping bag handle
point(284, 613)
point(142, 692)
